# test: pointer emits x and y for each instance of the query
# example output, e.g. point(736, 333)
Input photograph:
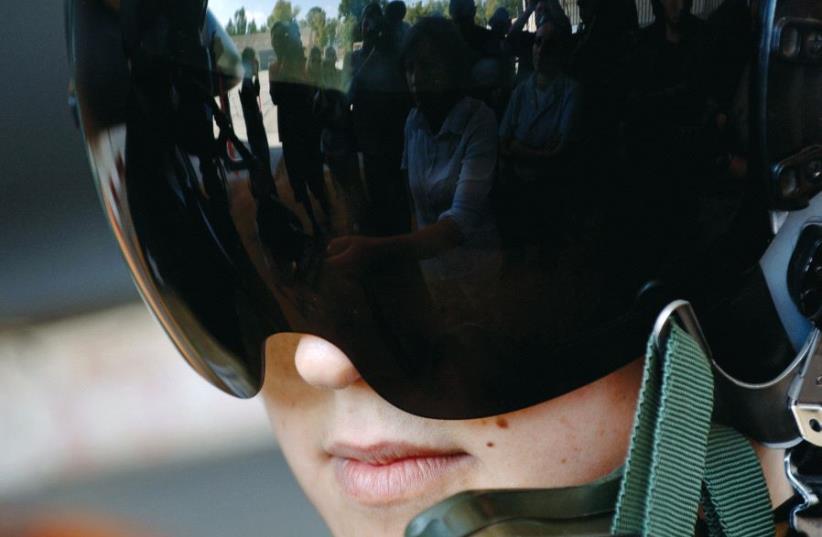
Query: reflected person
point(262, 181)
point(396, 26)
point(314, 67)
point(521, 41)
point(331, 76)
point(538, 136)
point(380, 104)
point(540, 122)
point(450, 159)
point(299, 130)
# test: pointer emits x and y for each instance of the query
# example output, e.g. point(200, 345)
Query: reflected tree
point(329, 33)
point(316, 22)
point(283, 11)
point(239, 25)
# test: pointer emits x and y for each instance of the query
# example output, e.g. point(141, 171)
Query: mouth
point(386, 473)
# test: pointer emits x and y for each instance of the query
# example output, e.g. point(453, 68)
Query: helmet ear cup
point(786, 90)
point(805, 273)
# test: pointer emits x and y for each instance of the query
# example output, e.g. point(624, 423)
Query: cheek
point(293, 407)
point(532, 449)
point(568, 441)
point(304, 458)
point(283, 387)
point(294, 412)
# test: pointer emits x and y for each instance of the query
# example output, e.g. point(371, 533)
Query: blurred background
point(104, 430)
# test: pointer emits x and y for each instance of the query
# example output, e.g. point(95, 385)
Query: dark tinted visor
point(480, 221)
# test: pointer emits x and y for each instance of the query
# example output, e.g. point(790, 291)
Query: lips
point(386, 473)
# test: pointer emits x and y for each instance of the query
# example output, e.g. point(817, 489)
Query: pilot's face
point(369, 468)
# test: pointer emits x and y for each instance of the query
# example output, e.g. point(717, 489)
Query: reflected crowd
point(526, 146)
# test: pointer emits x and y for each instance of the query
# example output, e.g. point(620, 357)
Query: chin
point(386, 521)
point(351, 516)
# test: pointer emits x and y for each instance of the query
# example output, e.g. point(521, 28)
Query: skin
point(314, 396)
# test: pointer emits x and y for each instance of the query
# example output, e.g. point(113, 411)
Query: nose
point(322, 365)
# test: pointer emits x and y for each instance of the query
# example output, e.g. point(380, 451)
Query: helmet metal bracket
point(809, 487)
point(806, 404)
point(804, 382)
point(681, 312)
point(806, 407)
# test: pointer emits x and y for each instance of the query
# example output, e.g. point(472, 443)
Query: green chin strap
point(586, 510)
point(678, 461)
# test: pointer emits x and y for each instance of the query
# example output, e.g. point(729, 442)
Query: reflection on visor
point(481, 216)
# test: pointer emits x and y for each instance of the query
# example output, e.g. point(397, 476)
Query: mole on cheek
point(502, 423)
point(489, 444)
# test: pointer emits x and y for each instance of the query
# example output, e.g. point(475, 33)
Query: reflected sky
point(259, 10)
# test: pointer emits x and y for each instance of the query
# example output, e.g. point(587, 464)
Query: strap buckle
point(806, 405)
point(682, 312)
point(804, 518)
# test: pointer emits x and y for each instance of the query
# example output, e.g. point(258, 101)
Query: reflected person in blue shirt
point(539, 151)
point(541, 121)
point(450, 158)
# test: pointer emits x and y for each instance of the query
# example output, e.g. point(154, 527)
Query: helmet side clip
point(805, 287)
point(806, 406)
